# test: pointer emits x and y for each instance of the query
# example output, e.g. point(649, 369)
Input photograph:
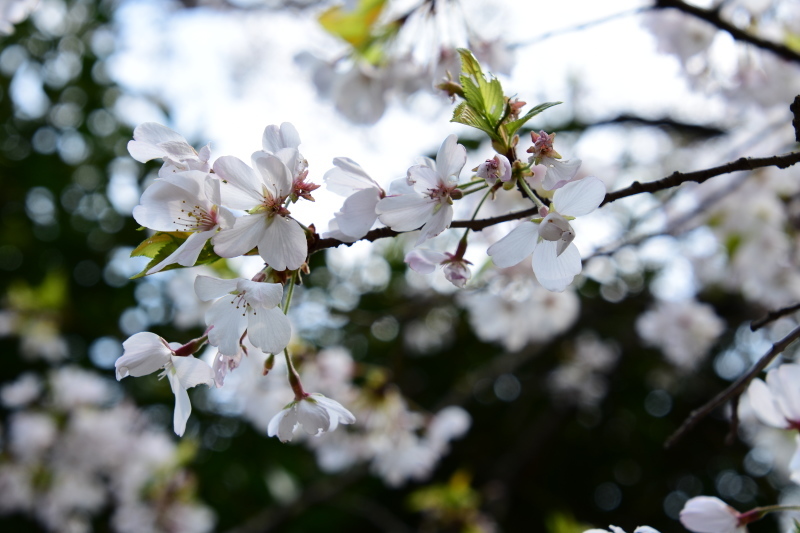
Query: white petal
point(559, 172)
point(192, 372)
point(451, 158)
point(162, 206)
point(147, 137)
point(580, 197)
point(405, 213)
point(555, 272)
point(348, 176)
point(227, 316)
point(283, 244)
point(424, 261)
point(143, 353)
point(439, 222)
point(313, 416)
point(704, 514)
point(276, 175)
point(288, 422)
point(241, 186)
point(183, 407)
point(275, 138)
point(516, 246)
point(275, 423)
point(358, 213)
point(783, 382)
point(245, 235)
point(424, 179)
point(208, 288)
point(260, 295)
point(764, 406)
point(268, 329)
point(344, 416)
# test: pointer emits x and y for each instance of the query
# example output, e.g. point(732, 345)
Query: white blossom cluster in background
point(73, 448)
point(416, 57)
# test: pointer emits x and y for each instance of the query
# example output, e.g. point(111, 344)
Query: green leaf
point(465, 114)
point(513, 127)
point(796, 526)
point(162, 243)
point(151, 246)
point(356, 26)
point(485, 96)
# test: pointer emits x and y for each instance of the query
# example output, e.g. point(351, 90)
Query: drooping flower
point(314, 413)
point(146, 352)
point(279, 238)
point(154, 141)
point(357, 215)
point(777, 402)
point(556, 261)
point(425, 262)
point(244, 305)
point(706, 514)
point(435, 188)
point(187, 201)
point(559, 171)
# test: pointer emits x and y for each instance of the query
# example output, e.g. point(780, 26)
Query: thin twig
point(735, 389)
point(699, 176)
point(755, 325)
point(713, 18)
point(581, 27)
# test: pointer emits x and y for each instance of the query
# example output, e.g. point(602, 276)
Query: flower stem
point(294, 378)
point(289, 294)
point(474, 215)
point(530, 193)
point(483, 186)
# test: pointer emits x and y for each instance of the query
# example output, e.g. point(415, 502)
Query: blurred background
point(500, 407)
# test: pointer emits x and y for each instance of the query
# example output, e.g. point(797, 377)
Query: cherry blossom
point(777, 402)
point(435, 188)
point(244, 305)
point(497, 168)
point(280, 240)
point(189, 202)
point(559, 171)
point(556, 261)
point(154, 141)
point(357, 215)
point(314, 413)
point(146, 352)
point(425, 262)
point(706, 514)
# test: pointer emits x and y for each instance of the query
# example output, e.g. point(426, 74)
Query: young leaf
point(485, 96)
point(513, 127)
point(465, 114)
point(356, 26)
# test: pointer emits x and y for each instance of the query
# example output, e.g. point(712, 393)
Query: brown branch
point(755, 325)
point(699, 176)
point(734, 390)
point(795, 109)
point(713, 18)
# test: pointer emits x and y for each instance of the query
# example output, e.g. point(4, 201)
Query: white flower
point(777, 402)
point(13, 12)
point(357, 215)
point(425, 262)
point(556, 261)
point(187, 201)
point(705, 514)
point(146, 352)
point(315, 413)
point(244, 305)
point(280, 240)
point(284, 142)
point(154, 141)
point(430, 205)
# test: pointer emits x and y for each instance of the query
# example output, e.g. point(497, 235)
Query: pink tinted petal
point(405, 213)
point(580, 197)
point(516, 246)
point(559, 172)
point(424, 261)
point(555, 272)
